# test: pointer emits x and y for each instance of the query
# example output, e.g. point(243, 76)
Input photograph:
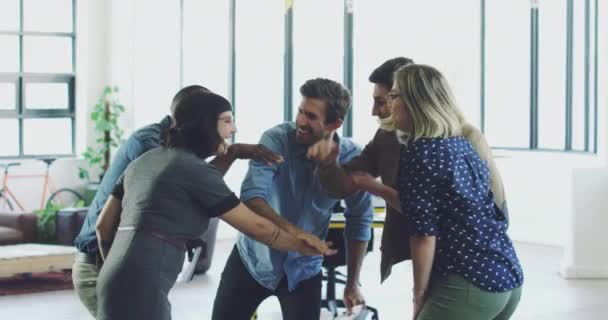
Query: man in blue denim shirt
point(86, 265)
point(290, 195)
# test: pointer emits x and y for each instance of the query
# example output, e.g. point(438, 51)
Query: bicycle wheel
point(5, 204)
point(65, 198)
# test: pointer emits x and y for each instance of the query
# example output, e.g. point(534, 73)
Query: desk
point(338, 220)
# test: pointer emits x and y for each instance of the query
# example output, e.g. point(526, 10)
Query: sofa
point(68, 223)
point(17, 228)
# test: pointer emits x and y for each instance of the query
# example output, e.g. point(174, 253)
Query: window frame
point(21, 79)
point(590, 83)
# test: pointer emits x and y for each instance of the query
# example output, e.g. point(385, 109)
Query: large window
point(540, 70)
point(206, 41)
point(524, 71)
point(426, 31)
point(157, 48)
point(507, 73)
point(37, 77)
point(259, 77)
point(318, 43)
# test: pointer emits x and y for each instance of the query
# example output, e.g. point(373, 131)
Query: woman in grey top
point(165, 198)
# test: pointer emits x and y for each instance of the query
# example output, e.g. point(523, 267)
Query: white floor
point(546, 294)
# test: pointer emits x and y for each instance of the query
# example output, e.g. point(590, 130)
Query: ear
point(335, 125)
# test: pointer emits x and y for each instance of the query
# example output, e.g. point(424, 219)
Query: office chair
point(332, 276)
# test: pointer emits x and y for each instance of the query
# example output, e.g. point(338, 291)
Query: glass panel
point(7, 96)
point(9, 133)
point(456, 55)
point(552, 75)
point(47, 136)
point(259, 76)
point(9, 15)
point(36, 15)
point(370, 52)
point(156, 60)
point(206, 44)
point(47, 54)
point(592, 78)
point(508, 73)
point(46, 95)
point(318, 42)
point(9, 54)
point(579, 91)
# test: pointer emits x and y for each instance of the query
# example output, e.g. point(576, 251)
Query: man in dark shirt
point(380, 158)
point(86, 265)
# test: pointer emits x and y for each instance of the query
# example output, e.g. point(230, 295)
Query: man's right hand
point(324, 151)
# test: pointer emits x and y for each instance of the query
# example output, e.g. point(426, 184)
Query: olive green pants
point(84, 277)
point(455, 298)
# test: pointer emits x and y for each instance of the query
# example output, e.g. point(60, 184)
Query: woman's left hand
point(364, 181)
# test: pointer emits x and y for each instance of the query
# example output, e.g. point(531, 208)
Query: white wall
point(585, 254)
point(539, 193)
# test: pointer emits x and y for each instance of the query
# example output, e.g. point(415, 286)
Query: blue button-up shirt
point(293, 190)
point(139, 142)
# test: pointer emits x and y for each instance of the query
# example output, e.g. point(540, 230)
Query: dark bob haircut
point(195, 115)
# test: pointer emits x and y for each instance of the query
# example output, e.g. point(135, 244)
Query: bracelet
point(275, 235)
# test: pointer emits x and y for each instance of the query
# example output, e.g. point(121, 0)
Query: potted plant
point(108, 136)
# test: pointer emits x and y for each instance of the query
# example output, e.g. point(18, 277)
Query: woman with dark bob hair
point(165, 198)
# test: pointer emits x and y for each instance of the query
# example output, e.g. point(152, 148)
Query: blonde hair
point(429, 101)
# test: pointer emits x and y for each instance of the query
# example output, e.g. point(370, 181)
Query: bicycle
point(63, 197)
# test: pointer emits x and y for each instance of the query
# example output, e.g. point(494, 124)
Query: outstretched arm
point(335, 177)
point(235, 151)
point(364, 181)
point(263, 230)
point(262, 208)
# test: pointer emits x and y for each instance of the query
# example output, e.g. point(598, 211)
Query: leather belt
point(187, 246)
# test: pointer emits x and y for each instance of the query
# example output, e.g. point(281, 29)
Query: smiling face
point(311, 121)
point(381, 107)
point(225, 125)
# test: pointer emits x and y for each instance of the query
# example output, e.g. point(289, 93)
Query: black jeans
point(239, 295)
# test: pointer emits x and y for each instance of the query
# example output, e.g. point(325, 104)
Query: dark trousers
point(239, 295)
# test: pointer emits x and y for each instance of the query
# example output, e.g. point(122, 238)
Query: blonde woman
point(465, 266)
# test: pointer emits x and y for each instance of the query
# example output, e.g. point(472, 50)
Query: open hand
point(322, 247)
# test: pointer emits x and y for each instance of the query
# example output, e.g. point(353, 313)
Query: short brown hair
point(383, 75)
point(336, 97)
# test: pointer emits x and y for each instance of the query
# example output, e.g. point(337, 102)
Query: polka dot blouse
point(444, 190)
